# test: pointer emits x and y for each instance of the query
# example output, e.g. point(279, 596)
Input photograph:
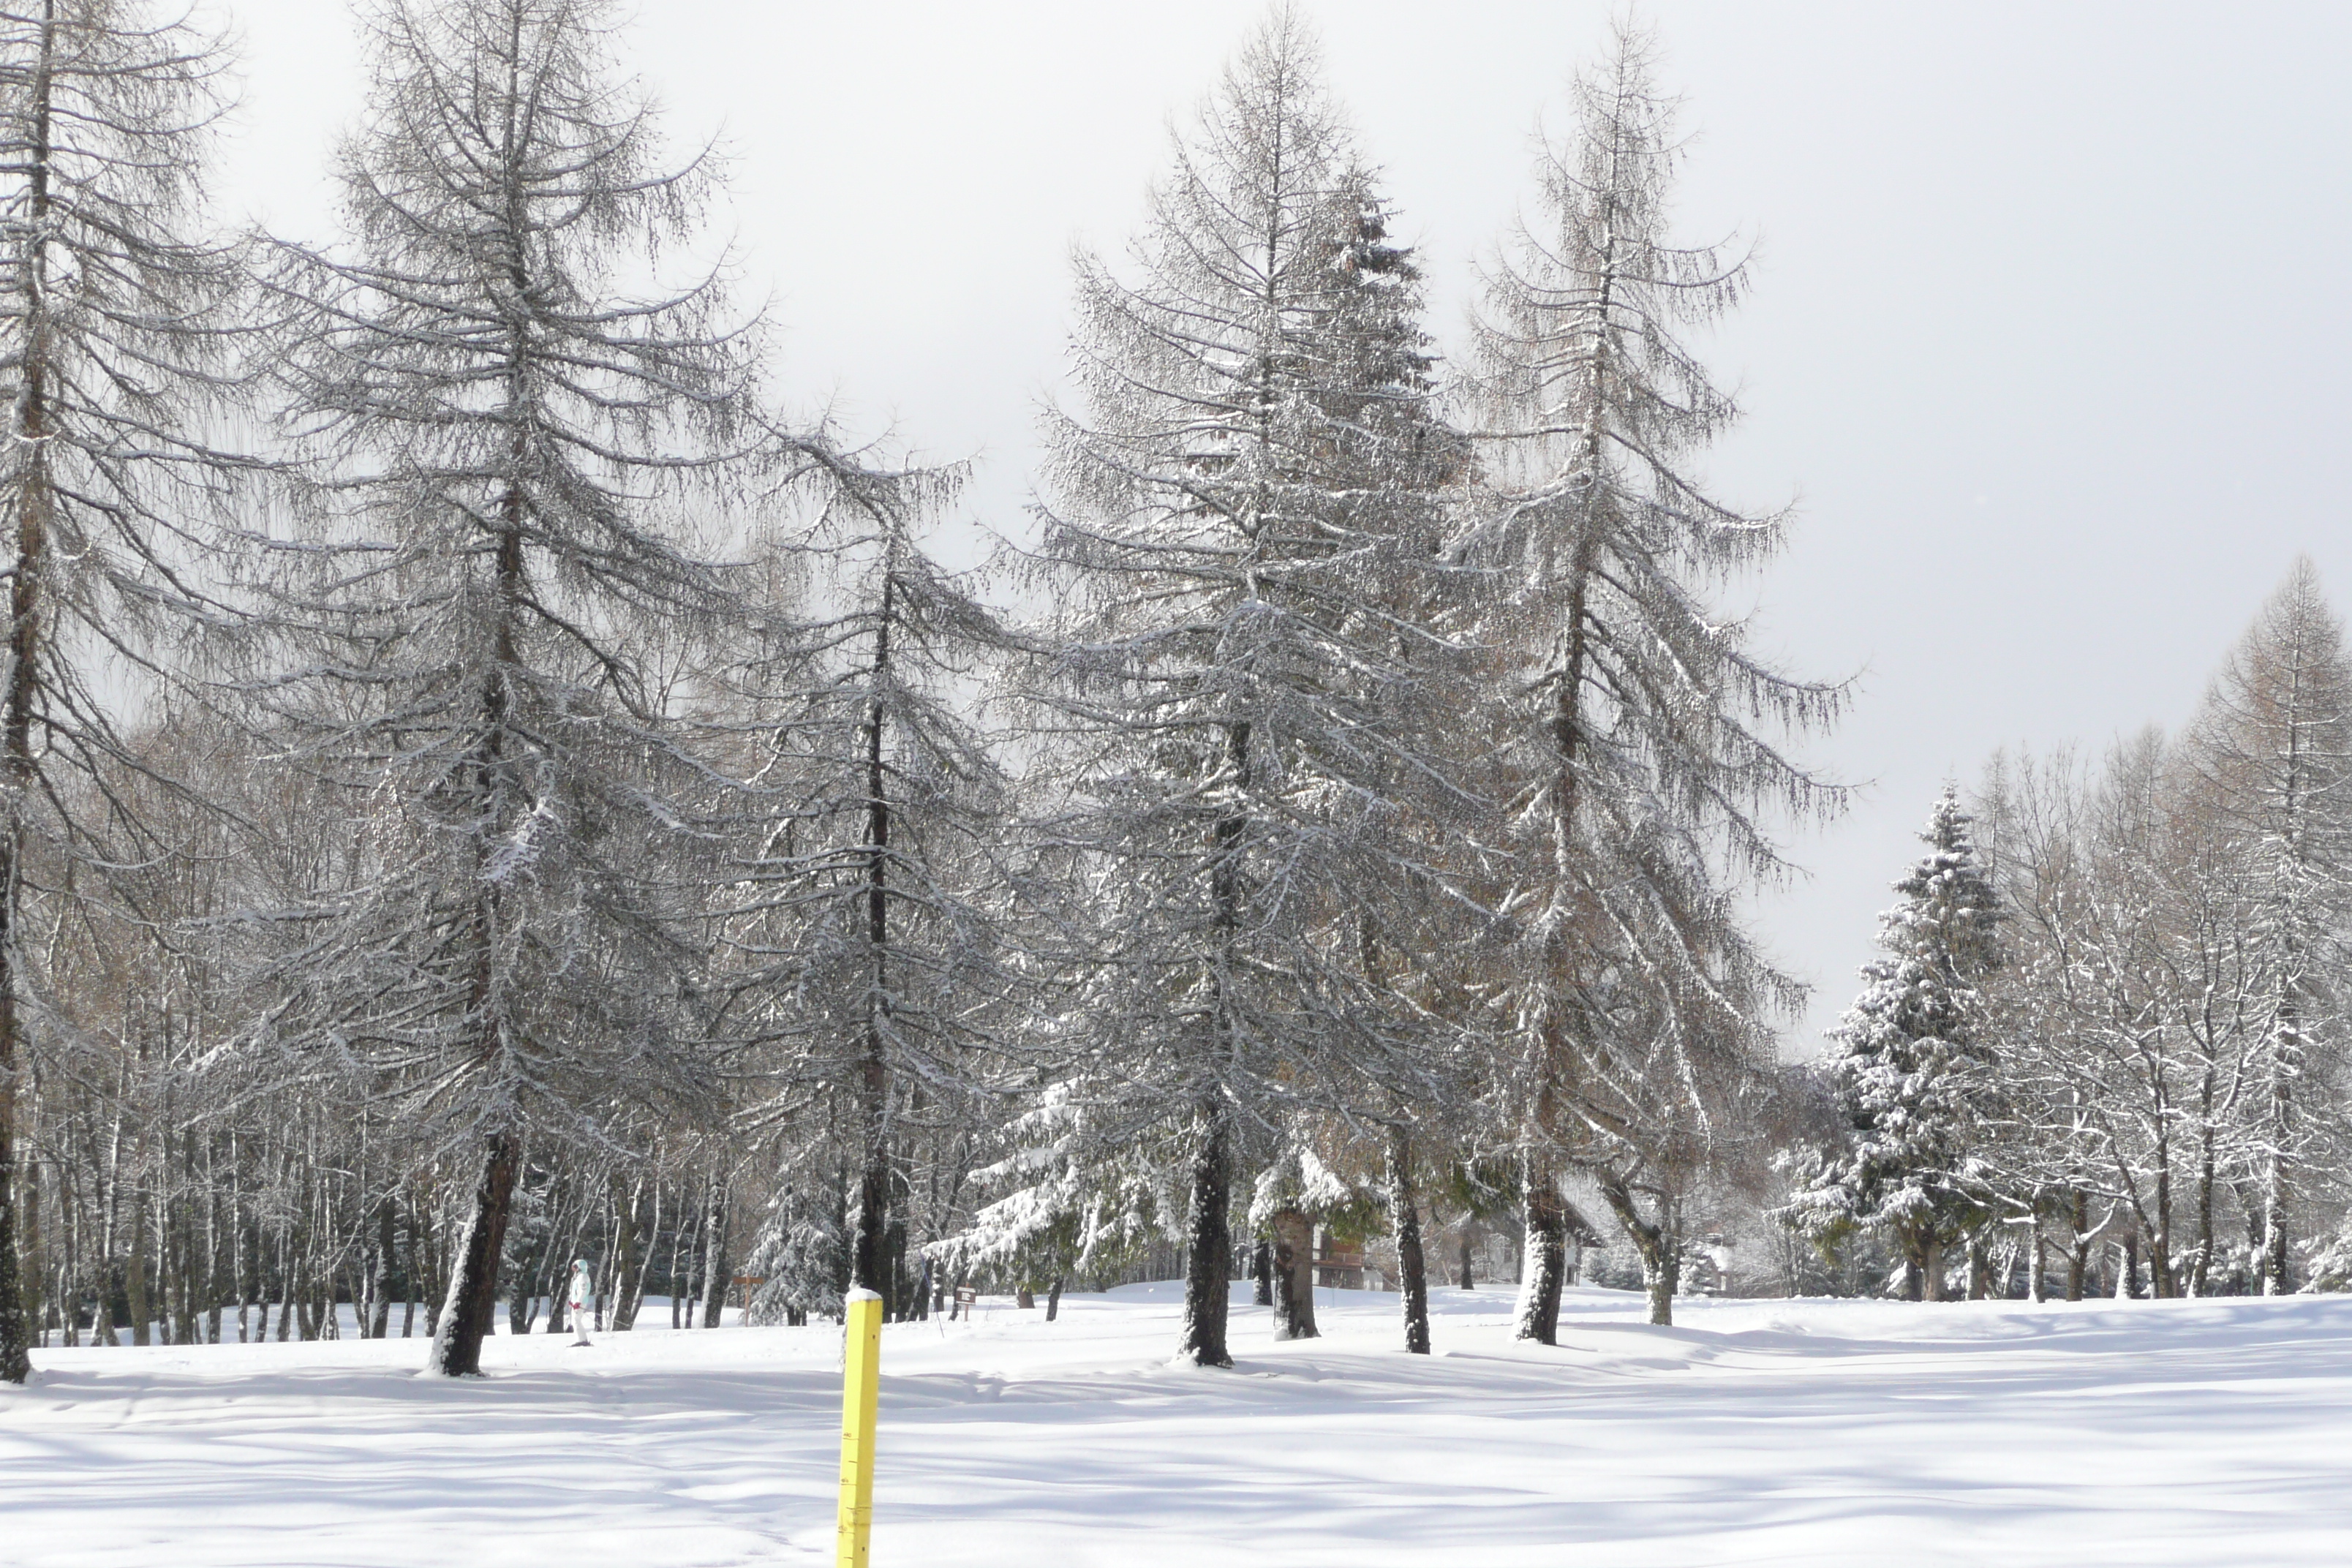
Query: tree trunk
point(867, 1245)
point(1405, 1220)
point(16, 1330)
point(26, 619)
point(1261, 1273)
point(472, 1309)
point(379, 1319)
point(685, 1245)
point(2271, 1262)
point(2285, 1055)
point(1544, 1271)
point(134, 1271)
point(1662, 1277)
point(716, 1268)
point(1294, 1276)
point(2078, 1254)
point(1465, 1258)
point(1659, 1243)
point(628, 1273)
point(1208, 1241)
point(1054, 1298)
point(1979, 1266)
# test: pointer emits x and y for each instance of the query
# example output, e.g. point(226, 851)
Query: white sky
point(2049, 341)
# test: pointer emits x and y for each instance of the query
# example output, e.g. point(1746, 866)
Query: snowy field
point(1767, 1432)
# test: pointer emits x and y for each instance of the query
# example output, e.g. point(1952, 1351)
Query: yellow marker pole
point(861, 1384)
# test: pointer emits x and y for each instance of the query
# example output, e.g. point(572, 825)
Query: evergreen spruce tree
point(1914, 1068)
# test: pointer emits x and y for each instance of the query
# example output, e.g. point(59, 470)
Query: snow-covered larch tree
point(516, 449)
point(1237, 711)
point(1914, 1068)
point(2273, 749)
point(864, 938)
point(1645, 742)
point(117, 328)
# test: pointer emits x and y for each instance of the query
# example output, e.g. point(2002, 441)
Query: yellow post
point(861, 1384)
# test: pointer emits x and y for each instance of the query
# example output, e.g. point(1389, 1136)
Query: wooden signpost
point(861, 1384)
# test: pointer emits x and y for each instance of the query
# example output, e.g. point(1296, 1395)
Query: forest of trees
point(487, 785)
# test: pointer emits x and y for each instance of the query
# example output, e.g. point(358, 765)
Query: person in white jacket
point(582, 1301)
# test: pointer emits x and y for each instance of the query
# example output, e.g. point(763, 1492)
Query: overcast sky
point(2049, 341)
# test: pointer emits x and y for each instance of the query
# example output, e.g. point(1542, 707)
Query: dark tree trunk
point(1054, 1298)
point(1404, 1219)
point(1546, 1252)
point(1261, 1273)
point(26, 619)
point(628, 1284)
point(1659, 1245)
point(866, 1261)
point(1464, 1259)
point(472, 1306)
point(1294, 1276)
point(1208, 1242)
point(134, 1271)
point(15, 1333)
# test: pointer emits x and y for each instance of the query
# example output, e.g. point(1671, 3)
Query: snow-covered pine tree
point(118, 322)
point(1233, 702)
point(798, 1257)
point(515, 450)
point(1643, 736)
point(1914, 1068)
point(2272, 746)
point(864, 936)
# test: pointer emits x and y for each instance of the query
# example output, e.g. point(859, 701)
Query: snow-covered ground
point(1812, 1432)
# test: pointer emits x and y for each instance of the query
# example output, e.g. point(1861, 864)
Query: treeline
point(2109, 1018)
point(537, 799)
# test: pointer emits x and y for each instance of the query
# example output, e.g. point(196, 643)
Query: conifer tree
point(1643, 744)
point(118, 322)
point(1914, 1068)
point(2272, 747)
point(1239, 704)
point(515, 452)
point(866, 934)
